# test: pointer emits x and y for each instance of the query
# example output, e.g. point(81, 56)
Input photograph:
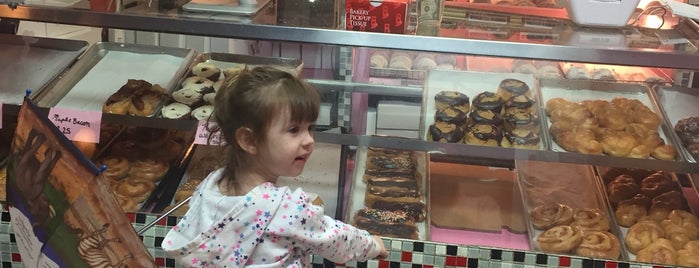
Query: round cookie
point(175, 110)
point(207, 70)
point(203, 112)
point(187, 96)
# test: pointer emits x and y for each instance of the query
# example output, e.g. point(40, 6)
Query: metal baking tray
point(229, 8)
point(358, 188)
point(35, 62)
point(600, 172)
point(226, 60)
point(579, 90)
point(562, 183)
point(397, 73)
point(105, 67)
point(676, 103)
point(471, 84)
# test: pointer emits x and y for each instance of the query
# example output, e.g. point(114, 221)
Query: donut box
point(605, 106)
point(676, 104)
point(562, 221)
point(473, 86)
point(196, 89)
point(357, 199)
point(629, 194)
point(384, 16)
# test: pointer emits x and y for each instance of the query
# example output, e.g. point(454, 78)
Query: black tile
point(496, 254)
point(362, 264)
point(170, 262)
point(317, 265)
point(418, 247)
point(542, 258)
point(140, 218)
point(158, 241)
point(327, 263)
point(518, 256)
point(451, 250)
point(12, 238)
point(171, 221)
point(622, 265)
point(394, 264)
point(415, 265)
point(5, 216)
point(599, 263)
point(6, 264)
point(472, 263)
point(587, 263)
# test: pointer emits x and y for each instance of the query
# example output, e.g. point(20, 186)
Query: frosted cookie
point(187, 96)
point(203, 112)
point(175, 110)
point(196, 81)
point(207, 70)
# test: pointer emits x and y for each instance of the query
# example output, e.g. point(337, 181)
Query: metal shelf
point(150, 19)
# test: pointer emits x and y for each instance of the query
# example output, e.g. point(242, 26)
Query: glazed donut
point(547, 215)
point(680, 227)
point(630, 211)
point(127, 204)
point(208, 70)
point(660, 251)
point(664, 152)
point(642, 234)
point(656, 184)
point(149, 169)
point(688, 256)
point(599, 244)
point(126, 148)
point(623, 187)
point(590, 219)
point(117, 167)
point(186, 189)
point(662, 205)
point(136, 189)
point(560, 239)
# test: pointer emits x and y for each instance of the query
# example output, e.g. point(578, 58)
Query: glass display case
point(586, 100)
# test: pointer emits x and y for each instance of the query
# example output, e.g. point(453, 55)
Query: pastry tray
point(579, 90)
point(624, 230)
point(397, 73)
point(677, 103)
point(561, 183)
point(226, 60)
point(225, 7)
point(471, 84)
point(358, 188)
point(105, 67)
point(35, 62)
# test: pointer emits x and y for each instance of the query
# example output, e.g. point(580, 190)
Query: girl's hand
point(382, 252)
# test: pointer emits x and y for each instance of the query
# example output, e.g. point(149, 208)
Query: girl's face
point(288, 146)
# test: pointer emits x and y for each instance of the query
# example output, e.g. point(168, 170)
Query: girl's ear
point(246, 140)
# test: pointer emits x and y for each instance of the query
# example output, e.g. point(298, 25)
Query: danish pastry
point(642, 234)
point(547, 215)
point(660, 251)
point(590, 219)
point(599, 244)
point(560, 239)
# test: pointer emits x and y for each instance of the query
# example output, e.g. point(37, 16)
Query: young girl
point(238, 216)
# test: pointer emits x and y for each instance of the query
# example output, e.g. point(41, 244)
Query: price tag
point(77, 125)
point(205, 137)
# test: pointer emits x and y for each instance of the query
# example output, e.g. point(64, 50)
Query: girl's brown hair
point(251, 99)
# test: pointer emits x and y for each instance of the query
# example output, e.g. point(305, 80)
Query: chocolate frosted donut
point(688, 125)
point(450, 115)
point(512, 87)
point(450, 98)
point(485, 117)
point(621, 188)
point(521, 138)
point(445, 132)
point(521, 103)
point(520, 120)
point(483, 134)
point(488, 101)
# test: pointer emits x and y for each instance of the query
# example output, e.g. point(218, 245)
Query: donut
point(630, 211)
point(186, 189)
point(207, 70)
point(577, 72)
point(599, 244)
point(126, 148)
point(590, 219)
point(664, 152)
point(656, 184)
point(196, 82)
point(175, 110)
point(188, 96)
point(623, 187)
point(450, 115)
point(127, 204)
point(445, 132)
point(136, 189)
point(117, 167)
point(560, 239)
point(203, 112)
point(488, 101)
point(485, 117)
point(642, 234)
point(450, 98)
point(210, 98)
point(521, 103)
point(516, 119)
point(512, 87)
point(425, 61)
point(660, 251)
point(149, 169)
point(680, 227)
point(547, 215)
point(688, 256)
point(483, 134)
point(521, 138)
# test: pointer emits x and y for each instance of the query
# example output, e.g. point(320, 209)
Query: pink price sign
point(77, 125)
point(205, 137)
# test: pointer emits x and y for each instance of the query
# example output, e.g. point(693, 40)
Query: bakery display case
point(465, 203)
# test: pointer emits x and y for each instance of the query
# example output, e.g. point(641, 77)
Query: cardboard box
point(387, 16)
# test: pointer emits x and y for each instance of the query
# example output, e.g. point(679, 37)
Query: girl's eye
point(294, 129)
point(311, 128)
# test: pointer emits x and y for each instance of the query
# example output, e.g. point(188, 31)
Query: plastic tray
point(35, 62)
point(105, 67)
point(677, 103)
point(542, 182)
point(471, 84)
point(624, 230)
point(358, 188)
point(580, 90)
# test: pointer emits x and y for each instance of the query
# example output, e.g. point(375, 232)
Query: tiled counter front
point(402, 253)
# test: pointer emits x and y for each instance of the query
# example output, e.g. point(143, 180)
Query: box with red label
point(387, 16)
